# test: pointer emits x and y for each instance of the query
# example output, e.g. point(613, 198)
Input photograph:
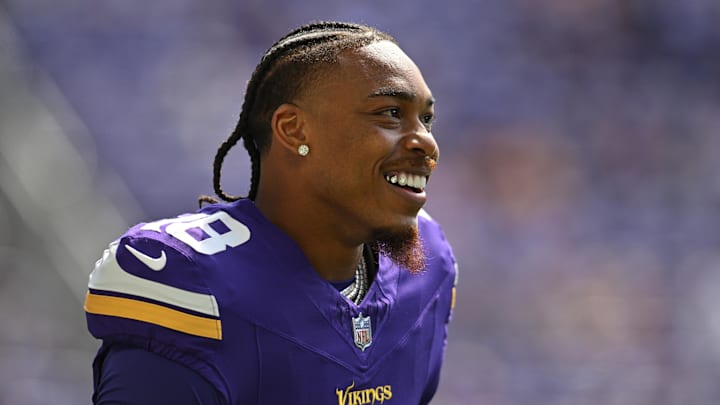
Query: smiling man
point(328, 283)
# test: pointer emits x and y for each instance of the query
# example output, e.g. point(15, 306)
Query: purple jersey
point(229, 295)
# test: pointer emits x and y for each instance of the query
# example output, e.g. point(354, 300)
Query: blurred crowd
point(578, 178)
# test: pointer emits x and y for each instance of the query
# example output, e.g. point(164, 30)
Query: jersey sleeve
point(143, 287)
point(129, 375)
point(146, 291)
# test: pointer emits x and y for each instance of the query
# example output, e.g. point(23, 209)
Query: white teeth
point(408, 180)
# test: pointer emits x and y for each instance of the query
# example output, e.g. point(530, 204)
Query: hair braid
point(321, 26)
point(284, 70)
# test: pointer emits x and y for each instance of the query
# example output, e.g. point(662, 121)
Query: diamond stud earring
point(303, 150)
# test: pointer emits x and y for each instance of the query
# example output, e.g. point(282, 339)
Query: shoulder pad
point(440, 252)
point(433, 236)
point(146, 280)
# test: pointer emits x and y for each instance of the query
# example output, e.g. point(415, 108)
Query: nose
point(423, 143)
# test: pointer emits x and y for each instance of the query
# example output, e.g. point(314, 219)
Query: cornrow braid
point(285, 70)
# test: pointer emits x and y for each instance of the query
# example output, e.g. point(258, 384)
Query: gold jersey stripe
point(153, 313)
point(452, 298)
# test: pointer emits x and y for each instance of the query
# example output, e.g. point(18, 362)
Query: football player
point(328, 283)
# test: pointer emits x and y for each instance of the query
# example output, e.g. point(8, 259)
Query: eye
point(427, 119)
point(393, 112)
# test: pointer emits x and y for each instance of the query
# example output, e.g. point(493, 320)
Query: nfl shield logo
point(362, 331)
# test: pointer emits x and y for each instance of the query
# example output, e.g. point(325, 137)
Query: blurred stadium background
point(579, 178)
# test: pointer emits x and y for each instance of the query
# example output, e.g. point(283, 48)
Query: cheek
point(353, 149)
point(354, 145)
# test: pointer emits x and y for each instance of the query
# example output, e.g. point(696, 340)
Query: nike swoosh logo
point(154, 263)
point(109, 276)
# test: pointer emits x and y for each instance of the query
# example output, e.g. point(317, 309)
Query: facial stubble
point(403, 247)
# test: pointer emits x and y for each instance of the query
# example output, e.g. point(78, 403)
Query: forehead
point(380, 66)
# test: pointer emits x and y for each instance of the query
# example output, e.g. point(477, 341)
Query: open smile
point(413, 182)
point(409, 186)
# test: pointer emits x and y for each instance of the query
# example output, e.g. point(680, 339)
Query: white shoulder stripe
point(109, 276)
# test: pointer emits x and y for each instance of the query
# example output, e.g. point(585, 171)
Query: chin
point(395, 226)
point(407, 219)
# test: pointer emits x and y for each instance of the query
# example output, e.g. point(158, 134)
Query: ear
point(288, 127)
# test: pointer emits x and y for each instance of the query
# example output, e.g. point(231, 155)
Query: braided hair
point(285, 70)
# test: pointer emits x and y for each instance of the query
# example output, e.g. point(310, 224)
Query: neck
point(332, 257)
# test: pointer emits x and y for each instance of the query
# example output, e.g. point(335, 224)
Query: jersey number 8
point(218, 231)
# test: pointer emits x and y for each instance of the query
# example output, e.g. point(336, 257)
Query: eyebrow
point(399, 93)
